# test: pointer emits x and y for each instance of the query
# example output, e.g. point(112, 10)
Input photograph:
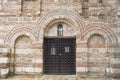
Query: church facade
point(60, 37)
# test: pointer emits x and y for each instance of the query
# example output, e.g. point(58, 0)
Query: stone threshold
point(56, 77)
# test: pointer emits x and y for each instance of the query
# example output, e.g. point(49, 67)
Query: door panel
point(51, 56)
point(59, 56)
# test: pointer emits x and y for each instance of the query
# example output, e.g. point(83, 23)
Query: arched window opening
point(60, 30)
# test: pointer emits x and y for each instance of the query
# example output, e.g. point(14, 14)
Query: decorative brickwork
point(94, 23)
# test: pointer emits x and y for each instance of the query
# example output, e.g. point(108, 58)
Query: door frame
point(44, 52)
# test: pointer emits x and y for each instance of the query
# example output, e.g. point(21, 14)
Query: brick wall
point(4, 62)
point(10, 7)
point(22, 25)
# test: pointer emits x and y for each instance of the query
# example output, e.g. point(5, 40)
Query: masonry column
point(81, 58)
point(4, 62)
point(37, 49)
point(115, 61)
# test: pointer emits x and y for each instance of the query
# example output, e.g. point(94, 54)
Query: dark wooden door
point(59, 56)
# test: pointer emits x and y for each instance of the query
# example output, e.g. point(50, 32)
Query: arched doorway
point(96, 55)
point(23, 59)
point(59, 50)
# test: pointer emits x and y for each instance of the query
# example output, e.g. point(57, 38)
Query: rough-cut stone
point(94, 23)
point(4, 61)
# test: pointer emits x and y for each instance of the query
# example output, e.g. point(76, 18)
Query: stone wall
point(4, 62)
point(9, 7)
point(23, 26)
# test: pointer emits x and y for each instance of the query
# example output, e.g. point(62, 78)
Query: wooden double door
point(59, 56)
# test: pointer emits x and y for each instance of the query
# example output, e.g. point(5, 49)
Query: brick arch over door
point(68, 29)
point(62, 14)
